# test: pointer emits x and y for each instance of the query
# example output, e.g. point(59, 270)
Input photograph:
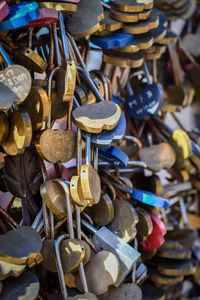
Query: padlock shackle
point(38, 223)
point(59, 265)
point(49, 92)
point(5, 56)
point(75, 102)
point(37, 219)
point(76, 51)
point(147, 74)
point(40, 226)
point(134, 140)
point(79, 151)
point(106, 5)
point(162, 123)
point(88, 148)
point(65, 187)
point(134, 163)
point(63, 36)
point(90, 83)
point(88, 226)
point(183, 210)
point(67, 181)
point(122, 81)
point(177, 187)
point(105, 81)
point(125, 170)
point(95, 158)
point(129, 89)
point(149, 136)
point(122, 188)
point(56, 45)
point(51, 222)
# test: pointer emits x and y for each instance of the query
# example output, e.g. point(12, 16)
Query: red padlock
point(156, 238)
point(46, 17)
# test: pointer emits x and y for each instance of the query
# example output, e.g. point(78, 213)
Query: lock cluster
point(99, 191)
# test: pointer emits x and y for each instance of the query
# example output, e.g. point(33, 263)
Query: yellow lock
point(182, 145)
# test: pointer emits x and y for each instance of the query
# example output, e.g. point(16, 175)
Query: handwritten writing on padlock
point(145, 102)
point(16, 78)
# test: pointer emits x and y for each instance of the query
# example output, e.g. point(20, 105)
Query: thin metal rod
point(183, 210)
point(5, 56)
point(59, 265)
point(88, 143)
point(63, 36)
point(128, 170)
point(52, 232)
point(37, 219)
point(88, 226)
point(147, 74)
point(77, 52)
point(130, 163)
point(178, 121)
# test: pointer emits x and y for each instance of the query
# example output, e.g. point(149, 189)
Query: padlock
point(159, 156)
point(142, 26)
point(146, 102)
point(125, 220)
point(183, 145)
point(14, 287)
point(45, 141)
point(103, 212)
point(47, 16)
point(106, 240)
point(66, 76)
point(24, 248)
point(104, 264)
point(90, 182)
point(15, 78)
point(61, 273)
point(143, 196)
point(75, 183)
point(88, 25)
point(20, 14)
point(134, 6)
point(156, 238)
point(140, 42)
point(26, 56)
point(90, 122)
point(116, 40)
point(129, 17)
point(129, 290)
point(107, 24)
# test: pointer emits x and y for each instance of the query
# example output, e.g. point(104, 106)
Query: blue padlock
point(146, 102)
point(108, 137)
point(110, 41)
point(116, 99)
point(114, 156)
point(145, 197)
point(161, 28)
point(149, 198)
point(20, 15)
